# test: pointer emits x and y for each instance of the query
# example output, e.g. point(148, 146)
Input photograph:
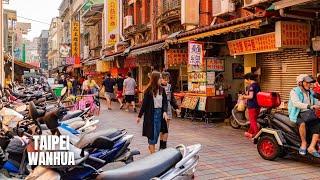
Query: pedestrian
point(119, 82)
point(129, 90)
point(69, 86)
point(74, 86)
point(252, 104)
point(172, 104)
point(108, 84)
point(154, 108)
point(90, 86)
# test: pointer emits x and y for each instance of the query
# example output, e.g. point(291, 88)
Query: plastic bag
point(241, 106)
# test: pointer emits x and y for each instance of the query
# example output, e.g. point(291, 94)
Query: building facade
point(53, 44)
point(43, 49)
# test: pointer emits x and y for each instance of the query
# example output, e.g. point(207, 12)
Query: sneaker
point(248, 135)
point(109, 109)
point(135, 109)
point(127, 110)
point(121, 106)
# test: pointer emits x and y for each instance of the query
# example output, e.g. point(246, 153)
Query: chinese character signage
point(292, 34)
point(112, 25)
point(195, 53)
point(176, 57)
point(190, 12)
point(214, 64)
point(75, 42)
point(254, 44)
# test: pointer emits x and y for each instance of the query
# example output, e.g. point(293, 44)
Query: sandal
point(315, 154)
point(302, 151)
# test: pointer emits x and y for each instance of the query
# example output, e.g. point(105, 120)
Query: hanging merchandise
point(103, 66)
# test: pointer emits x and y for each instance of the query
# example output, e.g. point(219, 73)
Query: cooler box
point(57, 90)
point(268, 99)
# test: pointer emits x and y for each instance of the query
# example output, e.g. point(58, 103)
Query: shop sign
point(215, 64)
point(292, 34)
point(202, 103)
point(190, 12)
point(103, 66)
point(197, 77)
point(195, 53)
point(254, 44)
point(64, 50)
point(75, 42)
point(70, 60)
point(111, 14)
point(176, 57)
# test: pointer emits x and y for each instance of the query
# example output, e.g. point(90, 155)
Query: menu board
point(195, 53)
point(202, 103)
point(253, 44)
point(214, 64)
point(177, 56)
point(292, 34)
point(211, 77)
point(190, 102)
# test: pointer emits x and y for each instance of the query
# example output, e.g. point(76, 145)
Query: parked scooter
point(239, 118)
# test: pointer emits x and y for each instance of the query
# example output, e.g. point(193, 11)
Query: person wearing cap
point(302, 100)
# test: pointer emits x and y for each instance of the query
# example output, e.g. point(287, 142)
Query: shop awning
point(20, 63)
point(111, 57)
point(231, 26)
point(147, 49)
point(91, 61)
point(91, 11)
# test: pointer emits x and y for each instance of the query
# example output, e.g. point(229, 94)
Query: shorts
point(119, 94)
point(157, 121)
point(108, 95)
point(129, 98)
point(312, 127)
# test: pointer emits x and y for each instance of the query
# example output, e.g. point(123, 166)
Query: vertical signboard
point(195, 53)
point(75, 42)
point(112, 25)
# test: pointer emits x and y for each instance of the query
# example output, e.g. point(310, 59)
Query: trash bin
point(57, 91)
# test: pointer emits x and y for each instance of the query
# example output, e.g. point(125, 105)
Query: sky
point(40, 10)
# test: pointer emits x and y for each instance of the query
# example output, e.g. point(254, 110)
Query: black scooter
point(279, 135)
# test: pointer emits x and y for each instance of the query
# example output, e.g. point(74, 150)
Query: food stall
point(202, 100)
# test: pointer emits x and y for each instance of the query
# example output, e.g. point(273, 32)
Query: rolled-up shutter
point(280, 69)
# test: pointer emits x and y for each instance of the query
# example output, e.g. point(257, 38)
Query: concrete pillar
point(136, 13)
point(144, 11)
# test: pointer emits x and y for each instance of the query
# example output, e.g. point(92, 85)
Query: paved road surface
point(226, 153)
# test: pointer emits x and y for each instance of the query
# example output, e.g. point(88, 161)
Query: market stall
point(204, 99)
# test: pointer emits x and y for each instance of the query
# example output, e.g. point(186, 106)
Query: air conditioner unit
point(248, 3)
point(128, 21)
point(220, 7)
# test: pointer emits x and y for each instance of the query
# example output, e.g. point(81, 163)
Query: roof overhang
point(288, 3)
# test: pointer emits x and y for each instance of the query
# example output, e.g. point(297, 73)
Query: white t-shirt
point(157, 101)
point(129, 85)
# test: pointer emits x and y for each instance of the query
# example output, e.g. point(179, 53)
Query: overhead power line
point(33, 20)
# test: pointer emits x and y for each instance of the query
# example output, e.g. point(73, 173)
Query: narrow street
point(226, 153)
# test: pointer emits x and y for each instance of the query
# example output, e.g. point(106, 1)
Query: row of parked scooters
point(27, 111)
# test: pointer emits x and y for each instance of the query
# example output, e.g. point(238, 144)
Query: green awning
point(89, 3)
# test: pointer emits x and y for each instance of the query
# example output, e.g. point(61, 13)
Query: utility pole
point(1, 45)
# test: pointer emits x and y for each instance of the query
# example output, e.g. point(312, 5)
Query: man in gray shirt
point(129, 90)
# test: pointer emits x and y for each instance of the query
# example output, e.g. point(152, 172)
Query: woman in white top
point(154, 108)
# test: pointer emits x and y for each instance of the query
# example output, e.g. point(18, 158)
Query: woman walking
point(154, 108)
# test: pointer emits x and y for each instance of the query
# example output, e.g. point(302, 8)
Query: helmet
point(306, 78)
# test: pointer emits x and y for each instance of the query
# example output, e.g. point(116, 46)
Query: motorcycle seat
point(39, 101)
point(147, 168)
point(285, 119)
point(72, 114)
point(34, 112)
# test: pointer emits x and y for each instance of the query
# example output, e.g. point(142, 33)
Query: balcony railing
point(170, 10)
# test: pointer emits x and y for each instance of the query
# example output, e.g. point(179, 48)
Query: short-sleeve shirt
point(120, 84)
point(255, 88)
point(130, 85)
point(108, 85)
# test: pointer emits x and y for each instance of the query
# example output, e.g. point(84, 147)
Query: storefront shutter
point(280, 69)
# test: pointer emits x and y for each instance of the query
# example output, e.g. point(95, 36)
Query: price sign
point(215, 64)
point(202, 103)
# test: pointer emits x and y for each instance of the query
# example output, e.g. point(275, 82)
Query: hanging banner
point(195, 53)
point(112, 25)
point(215, 64)
point(75, 42)
point(292, 34)
point(176, 57)
point(103, 66)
